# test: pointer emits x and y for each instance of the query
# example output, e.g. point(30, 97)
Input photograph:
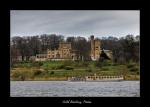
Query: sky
point(100, 23)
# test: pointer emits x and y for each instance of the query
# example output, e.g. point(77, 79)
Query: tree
point(124, 49)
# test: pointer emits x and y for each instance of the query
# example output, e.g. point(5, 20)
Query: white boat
point(76, 79)
point(104, 78)
point(97, 78)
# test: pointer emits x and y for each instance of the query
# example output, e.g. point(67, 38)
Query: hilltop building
point(65, 52)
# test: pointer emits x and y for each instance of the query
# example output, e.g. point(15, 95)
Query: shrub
point(130, 65)
point(104, 63)
point(37, 64)
point(15, 74)
point(49, 72)
point(23, 64)
point(46, 69)
point(67, 63)
point(18, 75)
point(22, 77)
point(37, 72)
point(114, 64)
point(53, 65)
point(134, 69)
point(98, 64)
point(77, 64)
point(138, 72)
point(61, 67)
point(69, 68)
point(89, 70)
point(52, 72)
point(104, 69)
point(107, 63)
point(85, 64)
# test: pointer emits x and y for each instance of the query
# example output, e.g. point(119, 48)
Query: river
point(74, 89)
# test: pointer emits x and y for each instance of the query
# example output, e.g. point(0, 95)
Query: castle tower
point(92, 48)
point(95, 48)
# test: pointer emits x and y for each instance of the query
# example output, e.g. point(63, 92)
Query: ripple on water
point(65, 88)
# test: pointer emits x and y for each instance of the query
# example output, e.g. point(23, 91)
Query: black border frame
point(57, 100)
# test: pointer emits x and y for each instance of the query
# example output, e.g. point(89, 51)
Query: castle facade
point(65, 52)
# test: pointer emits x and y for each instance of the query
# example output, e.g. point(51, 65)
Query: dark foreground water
point(74, 89)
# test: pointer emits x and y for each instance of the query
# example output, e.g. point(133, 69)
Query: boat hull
point(97, 78)
point(105, 80)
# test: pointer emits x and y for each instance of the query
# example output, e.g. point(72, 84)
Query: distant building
point(41, 57)
point(65, 52)
point(96, 49)
point(108, 53)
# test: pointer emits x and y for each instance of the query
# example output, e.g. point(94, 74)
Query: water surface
point(74, 89)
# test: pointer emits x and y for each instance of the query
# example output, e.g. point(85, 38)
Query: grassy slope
point(60, 70)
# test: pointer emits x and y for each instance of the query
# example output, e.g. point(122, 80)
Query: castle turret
point(95, 48)
point(92, 47)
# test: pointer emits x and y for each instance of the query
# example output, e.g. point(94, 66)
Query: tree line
point(124, 49)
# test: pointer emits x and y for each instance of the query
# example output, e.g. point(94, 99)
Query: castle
point(65, 52)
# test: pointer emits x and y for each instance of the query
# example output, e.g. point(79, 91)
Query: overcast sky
point(75, 23)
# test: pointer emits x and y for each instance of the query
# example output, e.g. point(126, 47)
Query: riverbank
point(128, 78)
point(42, 79)
point(61, 70)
